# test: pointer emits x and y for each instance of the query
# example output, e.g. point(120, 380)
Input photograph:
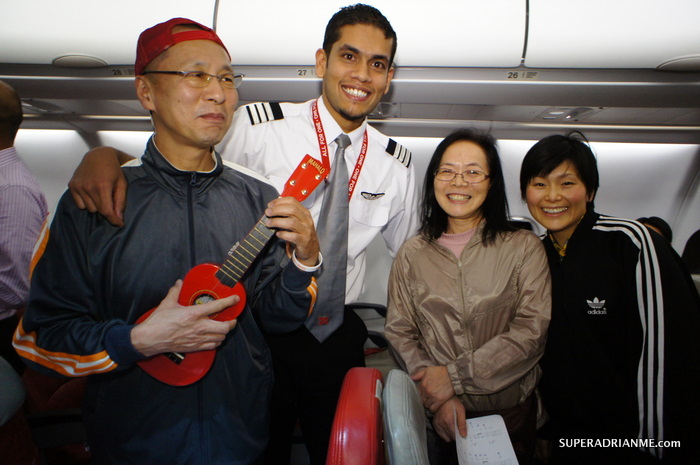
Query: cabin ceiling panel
point(46, 29)
point(468, 33)
point(612, 33)
point(436, 33)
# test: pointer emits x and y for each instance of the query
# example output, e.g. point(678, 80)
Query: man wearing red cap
point(356, 65)
point(184, 208)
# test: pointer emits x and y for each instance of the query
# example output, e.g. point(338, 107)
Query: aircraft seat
point(16, 444)
point(356, 437)
point(55, 419)
point(375, 337)
point(404, 421)
point(48, 429)
point(377, 354)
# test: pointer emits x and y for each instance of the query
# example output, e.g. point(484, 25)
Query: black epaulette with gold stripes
point(399, 152)
point(264, 112)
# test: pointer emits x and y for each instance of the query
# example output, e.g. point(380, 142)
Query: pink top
point(456, 242)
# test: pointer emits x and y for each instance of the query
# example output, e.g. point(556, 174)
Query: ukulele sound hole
point(203, 299)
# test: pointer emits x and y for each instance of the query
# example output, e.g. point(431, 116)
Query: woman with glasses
point(469, 300)
point(622, 362)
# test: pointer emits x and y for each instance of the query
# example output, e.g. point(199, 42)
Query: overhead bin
point(467, 33)
point(440, 33)
point(85, 32)
point(458, 61)
point(614, 34)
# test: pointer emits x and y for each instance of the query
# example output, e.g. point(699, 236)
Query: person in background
point(23, 215)
point(659, 225)
point(691, 257)
point(95, 281)
point(622, 361)
point(13, 392)
point(691, 253)
point(470, 300)
point(356, 66)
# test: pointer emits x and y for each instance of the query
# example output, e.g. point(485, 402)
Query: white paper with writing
point(487, 442)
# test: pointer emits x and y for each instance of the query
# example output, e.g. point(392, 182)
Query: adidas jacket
point(622, 358)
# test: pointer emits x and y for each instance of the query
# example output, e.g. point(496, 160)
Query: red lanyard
point(323, 146)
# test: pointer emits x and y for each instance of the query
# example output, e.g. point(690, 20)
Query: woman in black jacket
point(622, 363)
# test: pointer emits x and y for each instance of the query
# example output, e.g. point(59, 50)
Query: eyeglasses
point(200, 79)
point(469, 176)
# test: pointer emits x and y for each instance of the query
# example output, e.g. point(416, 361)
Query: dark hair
point(358, 14)
point(10, 112)
point(495, 206)
point(659, 224)
point(552, 151)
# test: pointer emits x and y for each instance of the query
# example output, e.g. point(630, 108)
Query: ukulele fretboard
point(244, 253)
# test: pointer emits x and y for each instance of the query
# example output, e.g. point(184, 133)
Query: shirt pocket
point(373, 213)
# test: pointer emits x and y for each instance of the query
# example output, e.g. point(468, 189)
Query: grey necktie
point(333, 237)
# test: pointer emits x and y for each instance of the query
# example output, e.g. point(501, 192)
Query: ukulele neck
point(244, 253)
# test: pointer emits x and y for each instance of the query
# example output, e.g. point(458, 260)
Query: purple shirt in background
point(23, 211)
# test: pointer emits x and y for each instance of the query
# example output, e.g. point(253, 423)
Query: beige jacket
point(484, 316)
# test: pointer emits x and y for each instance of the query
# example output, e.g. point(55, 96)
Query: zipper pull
point(193, 179)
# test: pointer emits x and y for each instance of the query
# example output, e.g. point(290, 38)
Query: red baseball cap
point(157, 39)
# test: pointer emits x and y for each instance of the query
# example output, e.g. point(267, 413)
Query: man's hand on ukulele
point(295, 225)
point(174, 328)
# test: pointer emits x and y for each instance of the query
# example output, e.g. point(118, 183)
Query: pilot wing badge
point(371, 196)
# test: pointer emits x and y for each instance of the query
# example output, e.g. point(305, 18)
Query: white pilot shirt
point(384, 199)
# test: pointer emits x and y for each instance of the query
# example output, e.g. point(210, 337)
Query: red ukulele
point(207, 282)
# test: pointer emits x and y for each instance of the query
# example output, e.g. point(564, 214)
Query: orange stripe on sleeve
point(61, 362)
point(40, 246)
point(313, 290)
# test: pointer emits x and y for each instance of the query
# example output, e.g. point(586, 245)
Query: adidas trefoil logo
point(597, 307)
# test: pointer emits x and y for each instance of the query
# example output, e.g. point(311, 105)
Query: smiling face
point(460, 200)
point(356, 73)
point(558, 200)
point(188, 119)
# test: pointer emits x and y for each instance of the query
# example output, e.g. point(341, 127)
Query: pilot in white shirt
point(272, 138)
